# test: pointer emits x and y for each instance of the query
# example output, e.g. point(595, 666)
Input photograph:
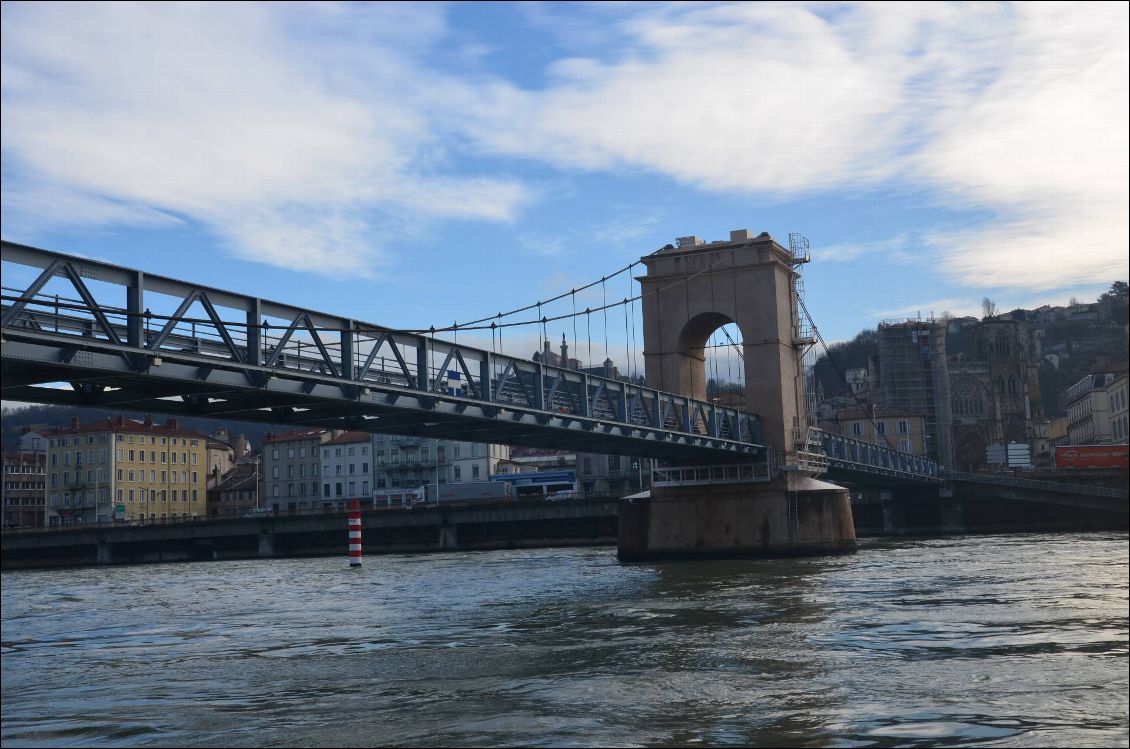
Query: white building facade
point(347, 468)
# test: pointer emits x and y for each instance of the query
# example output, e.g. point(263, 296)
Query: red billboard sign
point(1092, 456)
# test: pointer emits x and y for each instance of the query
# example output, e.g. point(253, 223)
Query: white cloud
point(1018, 109)
point(1046, 142)
point(898, 248)
point(957, 306)
point(284, 126)
point(233, 117)
point(44, 206)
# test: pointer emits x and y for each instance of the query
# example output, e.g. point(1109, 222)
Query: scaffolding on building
point(804, 338)
point(914, 377)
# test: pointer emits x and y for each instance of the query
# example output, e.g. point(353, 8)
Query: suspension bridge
point(78, 331)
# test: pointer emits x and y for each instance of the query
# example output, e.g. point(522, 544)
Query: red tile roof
point(301, 434)
point(121, 424)
point(350, 437)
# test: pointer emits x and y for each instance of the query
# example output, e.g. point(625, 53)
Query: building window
point(856, 429)
point(475, 471)
point(457, 473)
point(881, 427)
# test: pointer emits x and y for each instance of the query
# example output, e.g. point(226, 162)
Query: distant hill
point(1087, 336)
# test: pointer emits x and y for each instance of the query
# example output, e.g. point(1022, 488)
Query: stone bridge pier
point(690, 291)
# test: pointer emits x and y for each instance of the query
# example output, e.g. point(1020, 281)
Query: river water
point(1016, 640)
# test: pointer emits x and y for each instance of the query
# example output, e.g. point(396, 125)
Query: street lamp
point(436, 440)
point(257, 481)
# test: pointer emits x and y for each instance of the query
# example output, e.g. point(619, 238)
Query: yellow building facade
point(887, 427)
point(126, 471)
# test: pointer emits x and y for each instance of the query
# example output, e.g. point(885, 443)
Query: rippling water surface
point(1001, 640)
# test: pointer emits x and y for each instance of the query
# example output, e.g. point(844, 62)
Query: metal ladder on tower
point(791, 500)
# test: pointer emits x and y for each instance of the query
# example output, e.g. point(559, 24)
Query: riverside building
point(124, 470)
point(292, 469)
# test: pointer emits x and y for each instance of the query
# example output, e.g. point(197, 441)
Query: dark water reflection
point(1007, 640)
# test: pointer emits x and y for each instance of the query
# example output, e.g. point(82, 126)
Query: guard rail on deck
point(736, 473)
point(847, 453)
point(171, 346)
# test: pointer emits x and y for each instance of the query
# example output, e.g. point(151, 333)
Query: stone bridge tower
point(688, 293)
point(694, 289)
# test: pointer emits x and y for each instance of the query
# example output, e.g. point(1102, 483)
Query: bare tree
point(988, 307)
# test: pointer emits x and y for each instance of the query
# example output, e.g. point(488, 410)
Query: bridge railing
point(1047, 486)
point(855, 454)
point(146, 319)
point(735, 473)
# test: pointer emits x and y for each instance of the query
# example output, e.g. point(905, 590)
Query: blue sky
point(417, 164)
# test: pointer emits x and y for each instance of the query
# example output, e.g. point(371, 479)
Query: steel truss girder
point(510, 399)
point(439, 415)
point(594, 404)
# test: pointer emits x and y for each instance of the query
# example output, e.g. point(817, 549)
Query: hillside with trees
point(1087, 336)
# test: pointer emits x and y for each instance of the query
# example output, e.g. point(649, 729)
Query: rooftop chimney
point(171, 424)
point(691, 241)
point(739, 234)
point(74, 422)
point(148, 420)
point(119, 421)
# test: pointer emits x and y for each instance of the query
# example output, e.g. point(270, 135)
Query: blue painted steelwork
point(846, 453)
point(315, 369)
point(312, 368)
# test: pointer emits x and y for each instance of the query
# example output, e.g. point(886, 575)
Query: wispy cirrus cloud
point(1018, 110)
point(239, 117)
point(279, 124)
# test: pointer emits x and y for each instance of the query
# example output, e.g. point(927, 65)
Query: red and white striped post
point(354, 533)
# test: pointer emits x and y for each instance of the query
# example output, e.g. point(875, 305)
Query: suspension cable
point(604, 295)
point(843, 375)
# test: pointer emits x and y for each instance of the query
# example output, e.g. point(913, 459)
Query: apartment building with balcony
point(401, 462)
